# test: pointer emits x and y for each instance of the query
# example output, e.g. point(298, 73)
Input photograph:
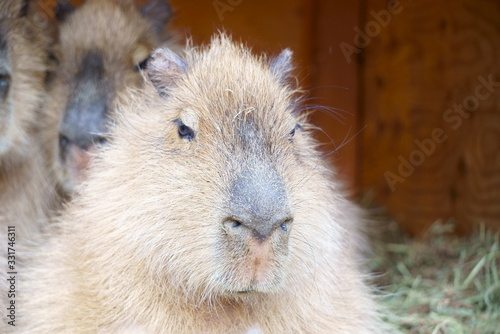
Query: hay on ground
point(442, 283)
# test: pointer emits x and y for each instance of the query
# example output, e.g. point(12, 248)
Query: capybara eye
point(185, 132)
point(4, 85)
point(142, 65)
point(140, 56)
point(297, 127)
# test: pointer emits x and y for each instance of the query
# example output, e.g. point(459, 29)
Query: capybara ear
point(164, 68)
point(281, 66)
point(63, 9)
point(24, 8)
point(158, 12)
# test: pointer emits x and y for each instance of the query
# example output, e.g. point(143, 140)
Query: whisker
point(345, 141)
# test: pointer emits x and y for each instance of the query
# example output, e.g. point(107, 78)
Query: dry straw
point(441, 283)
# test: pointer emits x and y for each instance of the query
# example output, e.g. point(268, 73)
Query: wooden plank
point(431, 61)
point(335, 85)
point(266, 26)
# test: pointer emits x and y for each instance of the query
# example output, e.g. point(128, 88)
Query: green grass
point(441, 283)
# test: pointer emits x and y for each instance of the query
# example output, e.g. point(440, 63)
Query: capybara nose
point(86, 111)
point(258, 201)
point(260, 230)
point(85, 144)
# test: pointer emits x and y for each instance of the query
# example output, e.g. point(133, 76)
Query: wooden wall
point(431, 83)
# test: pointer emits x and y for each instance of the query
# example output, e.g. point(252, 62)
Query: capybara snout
point(258, 199)
point(86, 110)
point(258, 229)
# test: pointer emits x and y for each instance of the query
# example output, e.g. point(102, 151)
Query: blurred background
point(412, 90)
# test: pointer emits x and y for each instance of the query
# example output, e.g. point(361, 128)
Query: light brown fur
point(27, 184)
point(23, 176)
point(143, 248)
point(114, 29)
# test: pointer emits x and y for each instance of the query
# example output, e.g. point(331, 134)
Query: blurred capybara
point(102, 47)
point(210, 211)
point(24, 59)
point(27, 185)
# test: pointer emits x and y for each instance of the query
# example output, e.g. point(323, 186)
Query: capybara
point(24, 59)
point(28, 190)
point(102, 47)
point(210, 211)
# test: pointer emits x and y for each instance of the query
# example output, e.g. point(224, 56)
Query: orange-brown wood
point(423, 157)
point(265, 25)
point(335, 85)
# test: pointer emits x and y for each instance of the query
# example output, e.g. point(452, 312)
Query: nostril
point(234, 227)
point(4, 85)
point(232, 224)
point(100, 140)
point(285, 224)
point(64, 142)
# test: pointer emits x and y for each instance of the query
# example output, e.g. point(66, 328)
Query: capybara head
point(103, 45)
point(23, 67)
point(216, 167)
